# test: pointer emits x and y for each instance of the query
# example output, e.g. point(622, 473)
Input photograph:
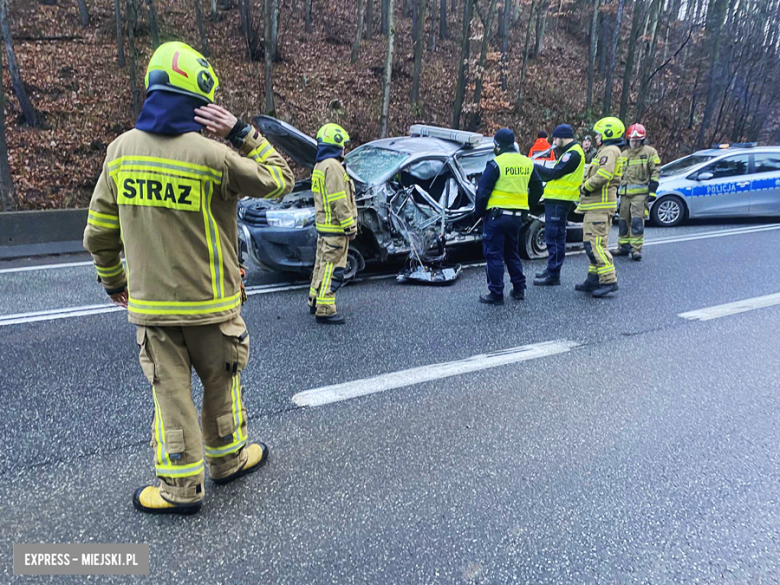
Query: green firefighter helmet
point(332, 134)
point(610, 128)
point(178, 68)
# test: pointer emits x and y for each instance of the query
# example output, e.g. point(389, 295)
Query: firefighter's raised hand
point(216, 119)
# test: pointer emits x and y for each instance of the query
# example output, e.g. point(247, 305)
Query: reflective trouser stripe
point(159, 433)
point(608, 266)
point(323, 298)
point(180, 470)
point(592, 269)
point(239, 438)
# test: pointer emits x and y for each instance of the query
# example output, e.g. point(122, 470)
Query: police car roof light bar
point(459, 136)
point(736, 145)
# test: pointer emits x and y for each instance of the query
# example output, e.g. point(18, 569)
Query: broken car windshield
point(372, 165)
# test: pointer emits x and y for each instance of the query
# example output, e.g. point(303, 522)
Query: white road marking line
point(732, 308)
point(57, 314)
point(706, 235)
point(44, 267)
point(347, 390)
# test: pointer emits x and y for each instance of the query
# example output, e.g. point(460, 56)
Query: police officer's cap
point(504, 138)
point(563, 131)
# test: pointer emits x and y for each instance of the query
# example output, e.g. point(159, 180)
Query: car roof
point(425, 145)
point(723, 151)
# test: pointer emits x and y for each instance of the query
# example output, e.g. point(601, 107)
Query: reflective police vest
point(511, 189)
point(567, 188)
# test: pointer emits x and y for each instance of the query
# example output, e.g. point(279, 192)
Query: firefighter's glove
point(238, 133)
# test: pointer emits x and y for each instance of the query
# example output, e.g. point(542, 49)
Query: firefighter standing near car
point(598, 201)
point(336, 222)
point(641, 171)
point(508, 188)
point(560, 196)
point(167, 196)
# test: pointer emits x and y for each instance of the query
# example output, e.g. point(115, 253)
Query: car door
point(722, 188)
point(765, 185)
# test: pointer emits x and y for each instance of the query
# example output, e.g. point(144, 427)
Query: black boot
point(334, 319)
point(621, 251)
point(636, 256)
point(549, 280)
point(591, 283)
point(604, 290)
point(543, 274)
point(518, 293)
point(491, 299)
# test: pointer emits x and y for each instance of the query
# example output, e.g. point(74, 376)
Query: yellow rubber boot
point(148, 499)
point(257, 455)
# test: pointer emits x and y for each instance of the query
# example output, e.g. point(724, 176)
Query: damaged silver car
point(415, 197)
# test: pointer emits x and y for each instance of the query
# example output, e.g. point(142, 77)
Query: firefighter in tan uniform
point(598, 201)
point(167, 198)
point(641, 171)
point(336, 222)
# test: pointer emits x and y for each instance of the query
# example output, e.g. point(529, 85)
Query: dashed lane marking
point(732, 308)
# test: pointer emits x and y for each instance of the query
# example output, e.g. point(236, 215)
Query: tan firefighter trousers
point(596, 238)
point(328, 274)
point(218, 353)
point(632, 222)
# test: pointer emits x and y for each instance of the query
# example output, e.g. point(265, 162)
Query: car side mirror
point(705, 176)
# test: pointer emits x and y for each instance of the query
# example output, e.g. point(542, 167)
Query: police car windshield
point(372, 165)
point(680, 166)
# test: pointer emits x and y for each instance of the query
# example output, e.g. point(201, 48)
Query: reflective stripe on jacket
point(170, 203)
point(567, 188)
point(334, 199)
point(602, 180)
point(511, 188)
point(640, 166)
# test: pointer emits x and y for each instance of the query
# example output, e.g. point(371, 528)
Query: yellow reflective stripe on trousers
point(608, 266)
point(183, 307)
point(323, 298)
point(180, 470)
point(214, 245)
point(159, 432)
point(103, 220)
point(239, 439)
point(109, 271)
point(155, 163)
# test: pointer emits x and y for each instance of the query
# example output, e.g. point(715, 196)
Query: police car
point(738, 180)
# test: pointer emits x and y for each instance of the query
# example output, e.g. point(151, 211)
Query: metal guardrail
point(33, 233)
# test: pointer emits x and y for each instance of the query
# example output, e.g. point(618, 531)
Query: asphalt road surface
point(432, 439)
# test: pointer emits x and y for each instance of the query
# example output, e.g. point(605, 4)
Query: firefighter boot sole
point(152, 502)
point(334, 319)
point(252, 464)
point(619, 252)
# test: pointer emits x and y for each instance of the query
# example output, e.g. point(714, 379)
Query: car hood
point(291, 141)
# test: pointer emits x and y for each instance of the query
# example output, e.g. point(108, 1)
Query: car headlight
point(290, 218)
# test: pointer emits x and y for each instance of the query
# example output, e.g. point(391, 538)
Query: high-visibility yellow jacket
point(170, 203)
point(334, 199)
point(602, 180)
point(641, 166)
point(511, 188)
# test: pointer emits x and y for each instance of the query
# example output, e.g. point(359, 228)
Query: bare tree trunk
point(607, 108)
point(83, 12)
point(388, 70)
point(648, 57)
point(541, 26)
point(385, 28)
point(270, 107)
point(475, 118)
point(132, 20)
point(503, 21)
point(526, 46)
point(356, 45)
point(120, 45)
point(204, 42)
point(28, 110)
point(633, 38)
point(715, 19)
point(406, 9)
point(465, 49)
point(434, 26)
point(420, 6)
point(214, 15)
point(602, 39)
point(153, 23)
point(247, 28)
point(443, 34)
point(369, 31)
point(275, 30)
point(7, 192)
point(307, 15)
point(593, 47)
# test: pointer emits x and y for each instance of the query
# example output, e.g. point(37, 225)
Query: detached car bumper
point(279, 249)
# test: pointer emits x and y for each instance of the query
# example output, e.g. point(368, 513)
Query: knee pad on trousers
point(623, 227)
point(338, 279)
point(589, 252)
point(637, 226)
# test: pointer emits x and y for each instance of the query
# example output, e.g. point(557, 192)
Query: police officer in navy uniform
point(561, 194)
point(509, 187)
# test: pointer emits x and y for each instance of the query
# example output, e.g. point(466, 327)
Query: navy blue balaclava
point(165, 112)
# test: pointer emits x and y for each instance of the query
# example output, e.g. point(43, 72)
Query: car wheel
point(532, 243)
point(668, 211)
point(355, 263)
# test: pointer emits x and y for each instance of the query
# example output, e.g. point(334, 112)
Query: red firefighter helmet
point(636, 132)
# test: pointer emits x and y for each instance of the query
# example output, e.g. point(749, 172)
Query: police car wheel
point(532, 243)
point(668, 211)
